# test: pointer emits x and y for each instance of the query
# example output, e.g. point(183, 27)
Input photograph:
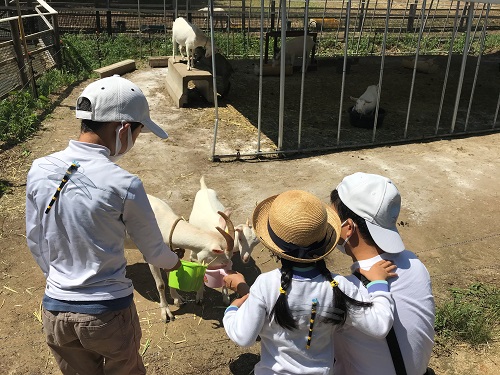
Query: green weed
point(471, 315)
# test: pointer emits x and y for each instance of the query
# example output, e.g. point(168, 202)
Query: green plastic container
point(188, 278)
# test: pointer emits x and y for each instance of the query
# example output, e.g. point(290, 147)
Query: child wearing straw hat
point(295, 309)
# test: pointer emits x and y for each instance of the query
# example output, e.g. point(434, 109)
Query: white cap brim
point(388, 240)
point(150, 126)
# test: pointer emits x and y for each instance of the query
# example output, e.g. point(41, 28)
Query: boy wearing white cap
point(79, 205)
point(368, 206)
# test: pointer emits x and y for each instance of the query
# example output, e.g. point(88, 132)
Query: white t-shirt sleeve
point(33, 231)
point(375, 321)
point(244, 324)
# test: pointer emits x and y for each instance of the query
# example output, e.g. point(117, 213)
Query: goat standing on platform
point(189, 36)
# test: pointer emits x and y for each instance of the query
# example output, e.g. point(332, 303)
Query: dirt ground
point(449, 218)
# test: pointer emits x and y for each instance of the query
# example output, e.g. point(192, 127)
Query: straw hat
point(297, 226)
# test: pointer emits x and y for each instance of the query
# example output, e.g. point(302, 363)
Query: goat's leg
point(178, 299)
point(189, 53)
point(160, 286)
point(199, 295)
point(173, 47)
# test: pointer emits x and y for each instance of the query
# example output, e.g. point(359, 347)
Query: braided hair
point(281, 311)
point(341, 301)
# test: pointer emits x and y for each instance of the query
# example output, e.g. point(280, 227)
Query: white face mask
point(341, 247)
point(118, 143)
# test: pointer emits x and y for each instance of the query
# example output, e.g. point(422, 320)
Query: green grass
point(471, 315)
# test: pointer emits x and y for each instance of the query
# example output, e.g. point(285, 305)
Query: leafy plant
point(18, 116)
point(471, 315)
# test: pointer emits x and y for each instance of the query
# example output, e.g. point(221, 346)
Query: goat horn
point(229, 236)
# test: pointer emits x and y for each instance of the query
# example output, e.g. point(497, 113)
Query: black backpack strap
point(392, 340)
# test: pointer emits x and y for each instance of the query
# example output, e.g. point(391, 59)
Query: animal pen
point(436, 64)
point(427, 58)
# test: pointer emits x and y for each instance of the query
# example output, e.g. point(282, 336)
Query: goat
point(213, 246)
point(366, 103)
point(223, 69)
point(189, 36)
point(204, 215)
point(295, 48)
point(221, 17)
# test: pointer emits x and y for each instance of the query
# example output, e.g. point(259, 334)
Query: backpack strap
point(392, 340)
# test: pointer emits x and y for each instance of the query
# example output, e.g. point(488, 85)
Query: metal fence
point(434, 28)
point(29, 45)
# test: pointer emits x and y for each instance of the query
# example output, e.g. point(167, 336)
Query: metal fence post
point(411, 17)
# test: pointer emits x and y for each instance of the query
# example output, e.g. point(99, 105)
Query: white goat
point(189, 36)
point(213, 246)
point(221, 17)
point(204, 215)
point(366, 103)
point(295, 48)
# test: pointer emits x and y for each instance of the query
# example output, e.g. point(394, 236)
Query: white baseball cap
point(116, 99)
point(377, 200)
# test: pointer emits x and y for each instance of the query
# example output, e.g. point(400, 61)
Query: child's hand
point(380, 271)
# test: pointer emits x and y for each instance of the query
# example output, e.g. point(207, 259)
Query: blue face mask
point(341, 247)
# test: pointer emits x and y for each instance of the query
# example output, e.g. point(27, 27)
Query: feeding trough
point(365, 121)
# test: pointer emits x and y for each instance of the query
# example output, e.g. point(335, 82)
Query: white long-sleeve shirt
point(79, 243)
point(413, 323)
point(284, 351)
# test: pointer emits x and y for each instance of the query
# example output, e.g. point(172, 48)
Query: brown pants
point(95, 344)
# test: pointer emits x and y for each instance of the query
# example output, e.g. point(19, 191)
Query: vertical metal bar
point(496, 112)
point(321, 27)
point(340, 19)
point(483, 37)
point(261, 68)
point(165, 24)
point(140, 31)
point(462, 68)
point(346, 39)
point(304, 68)
point(420, 30)
point(282, 74)
point(361, 26)
point(402, 21)
point(450, 53)
point(381, 76)
point(477, 26)
point(214, 75)
point(425, 23)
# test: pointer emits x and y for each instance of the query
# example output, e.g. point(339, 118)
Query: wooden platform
point(158, 61)
point(120, 68)
point(178, 78)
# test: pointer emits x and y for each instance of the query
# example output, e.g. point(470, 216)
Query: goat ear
point(218, 251)
point(353, 98)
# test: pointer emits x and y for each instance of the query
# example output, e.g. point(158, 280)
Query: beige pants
point(95, 344)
